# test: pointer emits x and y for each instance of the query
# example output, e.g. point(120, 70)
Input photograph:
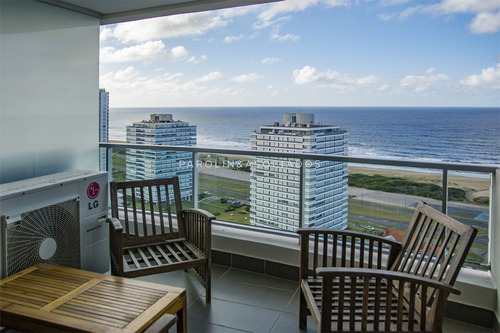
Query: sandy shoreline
point(473, 186)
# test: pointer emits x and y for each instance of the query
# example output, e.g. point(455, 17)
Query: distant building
point(161, 129)
point(103, 125)
point(275, 182)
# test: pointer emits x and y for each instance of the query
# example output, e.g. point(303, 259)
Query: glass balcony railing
point(280, 192)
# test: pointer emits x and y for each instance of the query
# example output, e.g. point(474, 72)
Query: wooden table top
point(71, 299)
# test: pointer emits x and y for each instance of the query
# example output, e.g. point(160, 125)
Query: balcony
point(260, 248)
point(49, 125)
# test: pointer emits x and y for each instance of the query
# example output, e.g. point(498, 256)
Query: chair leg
point(208, 286)
point(302, 311)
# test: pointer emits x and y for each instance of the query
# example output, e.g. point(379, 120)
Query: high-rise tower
point(161, 129)
point(275, 182)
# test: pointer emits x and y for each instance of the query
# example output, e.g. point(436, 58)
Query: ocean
point(430, 134)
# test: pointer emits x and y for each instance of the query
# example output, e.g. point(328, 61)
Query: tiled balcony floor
point(244, 301)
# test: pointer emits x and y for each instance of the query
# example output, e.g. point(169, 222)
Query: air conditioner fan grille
point(50, 234)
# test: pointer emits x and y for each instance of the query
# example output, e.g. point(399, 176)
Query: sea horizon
point(437, 134)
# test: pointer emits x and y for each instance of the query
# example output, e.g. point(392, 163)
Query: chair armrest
point(354, 234)
point(115, 245)
point(330, 272)
point(341, 248)
point(114, 225)
point(371, 291)
point(201, 212)
point(198, 223)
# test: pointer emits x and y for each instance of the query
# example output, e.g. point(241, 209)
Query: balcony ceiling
point(116, 11)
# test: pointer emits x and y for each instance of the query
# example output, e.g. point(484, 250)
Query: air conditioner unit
point(57, 219)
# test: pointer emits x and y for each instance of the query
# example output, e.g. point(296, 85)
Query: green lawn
point(224, 184)
point(382, 211)
point(238, 215)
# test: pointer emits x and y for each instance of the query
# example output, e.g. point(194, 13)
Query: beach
point(473, 186)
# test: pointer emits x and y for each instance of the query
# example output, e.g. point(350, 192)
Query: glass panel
point(469, 203)
point(382, 201)
point(224, 186)
point(268, 192)
point(325, 194)
point(275, 192)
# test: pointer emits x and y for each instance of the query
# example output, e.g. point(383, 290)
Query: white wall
point(49, 88)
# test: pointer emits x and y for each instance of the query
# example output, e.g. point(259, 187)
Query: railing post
point(301, 192)
point(109, 169)
point(195, 179)
point(444, 204)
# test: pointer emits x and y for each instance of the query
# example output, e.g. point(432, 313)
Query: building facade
point(275, 186)
point(103, 126)
point(161, 129)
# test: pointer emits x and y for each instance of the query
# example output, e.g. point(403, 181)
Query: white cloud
point(486, 13)
point(409, 12)
point(210, 77)
point(105, 33)
point(420, 83)
point(178, 52)
point(335, 80)
point(279, 8)
point(247, 78)
point(165, 89)
point(393, 2)
point(172, 77)
point(126, 74)
point(430, 70)
point(386, 17)
point(485, 23)
point(270, 60)
point(489, 78)
point(305, 75)
point(461, 6)
point(196, 60)
point(138, 52)
point(230, 39)
point(287, 37)
point(166, 27)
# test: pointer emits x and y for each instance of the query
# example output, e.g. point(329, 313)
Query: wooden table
point(47, 297)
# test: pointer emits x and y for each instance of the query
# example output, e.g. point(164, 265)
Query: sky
point(309, 53)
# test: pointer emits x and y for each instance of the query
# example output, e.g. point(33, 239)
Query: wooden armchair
point(150, 232)
point(366, 283)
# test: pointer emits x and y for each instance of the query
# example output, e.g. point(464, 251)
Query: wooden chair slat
point(438, 234)
point(164, 254)
point(134, 210)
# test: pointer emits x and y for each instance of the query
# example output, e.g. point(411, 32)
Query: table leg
point(182, 316)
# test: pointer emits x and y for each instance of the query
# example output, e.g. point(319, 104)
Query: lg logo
point(92, 192)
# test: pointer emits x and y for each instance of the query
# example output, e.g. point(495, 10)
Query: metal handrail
point(444, 166)
point(450, 166)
